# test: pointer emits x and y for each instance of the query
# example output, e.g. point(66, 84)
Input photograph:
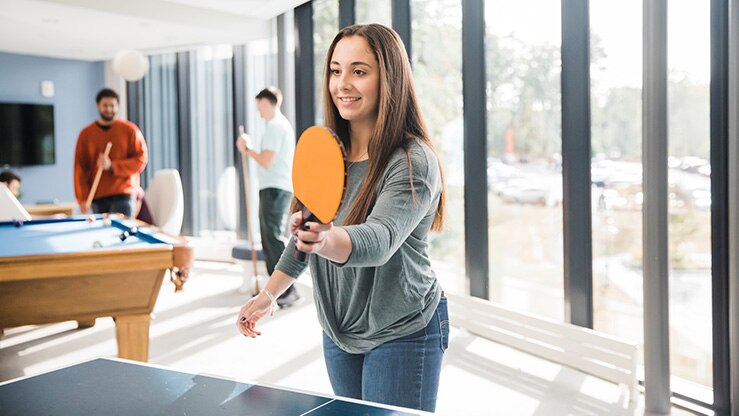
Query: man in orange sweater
point(119, 183)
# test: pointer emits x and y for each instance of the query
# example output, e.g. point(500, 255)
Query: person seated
point(10, 208)
point(142, 208)
point(12, 181)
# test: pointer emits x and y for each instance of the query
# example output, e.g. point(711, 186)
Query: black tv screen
point(26, 134)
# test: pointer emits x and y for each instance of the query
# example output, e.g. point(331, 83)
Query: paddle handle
point(307, 216)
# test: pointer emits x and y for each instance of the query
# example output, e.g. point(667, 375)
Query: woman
point(379, 303)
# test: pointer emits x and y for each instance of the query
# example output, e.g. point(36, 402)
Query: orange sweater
point(128, 155)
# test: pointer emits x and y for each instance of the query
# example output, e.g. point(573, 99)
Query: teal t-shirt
point(278, 137)
point(387, 288)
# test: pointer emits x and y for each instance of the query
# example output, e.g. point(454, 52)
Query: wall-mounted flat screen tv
point(26, 134)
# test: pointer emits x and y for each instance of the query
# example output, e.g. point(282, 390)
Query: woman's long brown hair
point(399, 119)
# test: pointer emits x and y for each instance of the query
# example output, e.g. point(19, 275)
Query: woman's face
point(354, 82)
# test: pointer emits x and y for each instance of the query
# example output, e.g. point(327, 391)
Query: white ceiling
point(96, 29)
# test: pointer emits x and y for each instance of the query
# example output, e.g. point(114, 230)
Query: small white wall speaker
point(47, 88)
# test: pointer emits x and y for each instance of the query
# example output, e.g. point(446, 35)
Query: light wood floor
point(194, 331)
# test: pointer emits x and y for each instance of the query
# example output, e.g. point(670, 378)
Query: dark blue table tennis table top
point(119, 387)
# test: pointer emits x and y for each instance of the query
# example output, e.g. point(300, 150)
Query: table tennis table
point(107, 386)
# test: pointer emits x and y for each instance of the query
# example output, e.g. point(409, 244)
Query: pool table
point(76, 268)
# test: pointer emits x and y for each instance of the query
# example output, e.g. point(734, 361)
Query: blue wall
point(75, 86)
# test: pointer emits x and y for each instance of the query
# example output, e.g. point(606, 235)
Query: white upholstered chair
point(226, 198)
point(165, 200)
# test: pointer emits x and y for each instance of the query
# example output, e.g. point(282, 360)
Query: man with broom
point(274, 160)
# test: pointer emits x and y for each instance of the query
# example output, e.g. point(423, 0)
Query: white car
point(526, 195)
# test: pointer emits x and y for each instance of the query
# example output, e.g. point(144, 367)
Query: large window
point(437, 70)
point(261, 71)
point(616, 167)
point(211, 124)
point(524, 161)
point(690, 197)
point(376, 11)
point(159, 124)
point(617, 183)
point(325, 25)
point(524, 155)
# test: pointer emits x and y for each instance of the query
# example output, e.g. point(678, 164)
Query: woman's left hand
point(313, 238)
point(252, 311)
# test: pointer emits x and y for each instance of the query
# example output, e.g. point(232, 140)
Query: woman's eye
point(334, 72)
point(358, 72)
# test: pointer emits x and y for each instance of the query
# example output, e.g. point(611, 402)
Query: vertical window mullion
point(347, 13)
point(655, 221)
point(239, 119)
point(733, 175)
point(185, 136)
point(577, 221)
point(304, 68)
point(719, 92)
point(475, 147)
point(401, 18)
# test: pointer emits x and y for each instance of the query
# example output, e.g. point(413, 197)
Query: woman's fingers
point(295, 220)
point(317, 226)
point(309, 236)
point(314, 232)
point(313, 237)
point(248, 329)
point(305, 247)
point(252, 311)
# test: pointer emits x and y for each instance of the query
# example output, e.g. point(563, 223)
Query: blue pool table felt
point(74, 234)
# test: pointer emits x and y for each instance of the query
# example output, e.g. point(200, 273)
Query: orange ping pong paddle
point(319, 176)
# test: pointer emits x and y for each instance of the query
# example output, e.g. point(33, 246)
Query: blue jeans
point(403, 372)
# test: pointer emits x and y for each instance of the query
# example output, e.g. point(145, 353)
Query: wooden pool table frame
point(82, 286)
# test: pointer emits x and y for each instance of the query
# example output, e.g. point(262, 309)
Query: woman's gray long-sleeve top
point(386, 289)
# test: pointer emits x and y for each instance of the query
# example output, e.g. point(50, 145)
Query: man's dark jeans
point(273, 207)
point(123, 204)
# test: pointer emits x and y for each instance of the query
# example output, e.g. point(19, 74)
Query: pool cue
point(245, 170)
point(95, 183)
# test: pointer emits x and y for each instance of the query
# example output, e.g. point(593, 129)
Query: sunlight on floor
point(194, 331)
